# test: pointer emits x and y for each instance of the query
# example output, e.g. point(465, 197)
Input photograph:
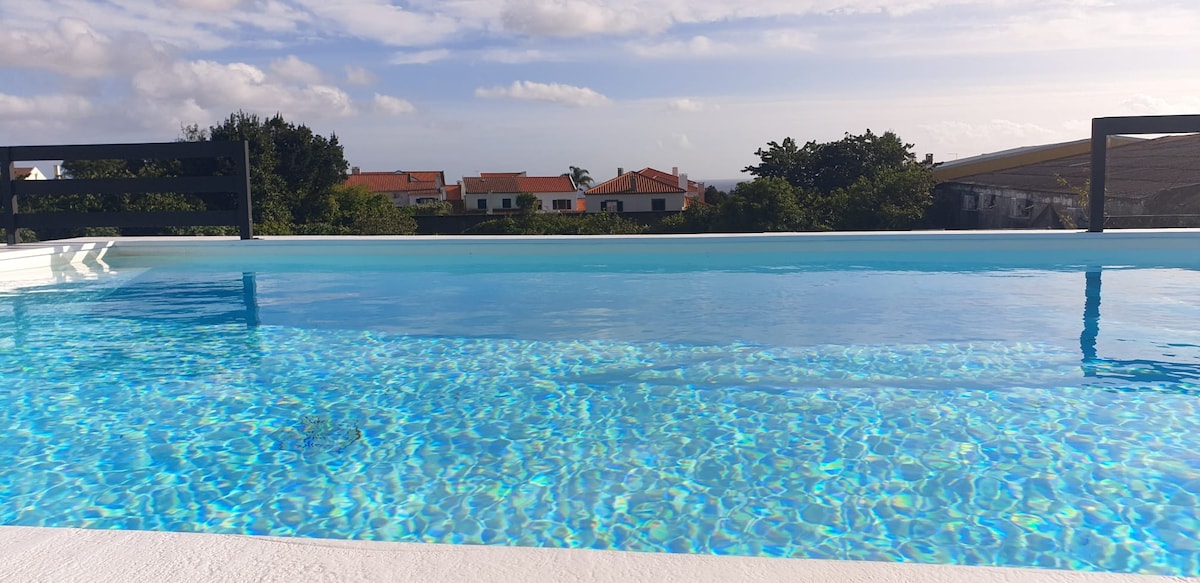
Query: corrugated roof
point(637, 182)
point(1134, 170)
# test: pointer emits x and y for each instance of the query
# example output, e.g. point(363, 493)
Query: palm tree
point(580, 176)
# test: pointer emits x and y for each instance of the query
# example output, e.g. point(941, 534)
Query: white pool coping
point(68, 554)
point(101, 556)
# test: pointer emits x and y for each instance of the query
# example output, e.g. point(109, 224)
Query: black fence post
point(241, 161)
point(1099, 174)
point(8, 199)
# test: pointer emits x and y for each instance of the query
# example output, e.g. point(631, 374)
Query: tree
point(862, 181)
point(580, 176)
point(766, 204)
point(528, 203)
point(293, 170)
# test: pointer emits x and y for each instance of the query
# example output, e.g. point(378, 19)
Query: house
point(644, 190)
point(26, 173)
point(403, 188)
point(497, 192)
point(1150, 183)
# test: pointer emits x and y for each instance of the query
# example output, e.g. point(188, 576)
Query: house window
point(561, 204)
point(658, 204)
point(612, 206)
point(988, 202)
point(426, 200)
point(506, 203)
point(1022, 208)
point(481, 204)
point(970, 202)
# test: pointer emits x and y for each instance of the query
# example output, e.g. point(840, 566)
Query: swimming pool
point(1016, 400)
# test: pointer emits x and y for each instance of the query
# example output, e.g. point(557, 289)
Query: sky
point(469, 86)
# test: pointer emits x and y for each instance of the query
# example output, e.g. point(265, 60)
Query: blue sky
point(500, 85)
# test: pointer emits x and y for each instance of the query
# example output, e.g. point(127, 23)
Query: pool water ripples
point(1001, 450)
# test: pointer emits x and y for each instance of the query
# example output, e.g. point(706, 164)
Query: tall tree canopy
point(864, 181)
point(293, 171)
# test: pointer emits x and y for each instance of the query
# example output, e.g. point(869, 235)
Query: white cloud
point(790, 39)
point(568, 18)
point(210, 5)
point(381, 21)
point(393, 106)
point(292, 68)
point(687, 104)
point(207, 86)
point(419, 57)
point(697, 46)
point(74, 48)
point(682, 141)
point(56, 106)
point(549, 92)
point(512, 56)
point(1142, 104)
point(356, 75)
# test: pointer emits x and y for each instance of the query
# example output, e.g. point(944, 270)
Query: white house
point(642, 191)
point(497, 192)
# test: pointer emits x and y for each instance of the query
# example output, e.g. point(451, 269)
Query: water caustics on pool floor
point(979, 417)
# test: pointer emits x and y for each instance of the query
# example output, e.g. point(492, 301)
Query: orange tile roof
point(500, 174)
point(20, 173)
point(637, 182)
point(484, 185)
point(453, 192)
point(494, 182)
point(545, 184)
point(428, 176)
point(667, 177)
point(391, 182)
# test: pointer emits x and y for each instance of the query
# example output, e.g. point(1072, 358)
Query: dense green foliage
point(559, 224)
point(861, 182)
point(528, 202)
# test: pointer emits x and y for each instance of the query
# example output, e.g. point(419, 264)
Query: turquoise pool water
point(759, 405)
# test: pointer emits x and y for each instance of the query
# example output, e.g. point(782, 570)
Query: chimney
point(683, 181)
point(620, 170)
point(355, 169)
point(675, 170)
point(632, 183)
point(929, 159)
point(58, 172)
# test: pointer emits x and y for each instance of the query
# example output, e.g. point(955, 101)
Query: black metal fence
point(238, 184)
point(1102, 127)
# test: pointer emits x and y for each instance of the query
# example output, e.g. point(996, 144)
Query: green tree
point(355, 210)
point(865, 181)
point(528, 203)
point(293, 171)
point(581, 177)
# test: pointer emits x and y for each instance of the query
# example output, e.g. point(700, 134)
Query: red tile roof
point(669, 178)
point(20, 173)
point(545, 184)
point(393, 181)
point(428, 176)
point(484, 185)
point(638, 182)
point(495, 182)
point(453, 192)
point(500, 174)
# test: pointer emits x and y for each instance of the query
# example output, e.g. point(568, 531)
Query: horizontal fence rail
point(12, 190)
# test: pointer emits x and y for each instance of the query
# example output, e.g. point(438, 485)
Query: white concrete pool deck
point(57, 555)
